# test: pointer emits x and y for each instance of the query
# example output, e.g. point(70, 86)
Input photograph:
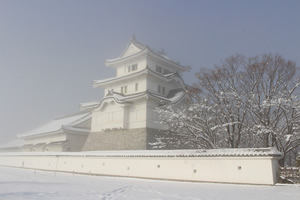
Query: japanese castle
point(124, 119)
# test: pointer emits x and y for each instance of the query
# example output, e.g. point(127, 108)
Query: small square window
point(134, 67)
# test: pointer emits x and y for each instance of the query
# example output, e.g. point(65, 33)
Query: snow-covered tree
point(271, 86)
point(193, 126)
point(243, 102)
point(216, 118)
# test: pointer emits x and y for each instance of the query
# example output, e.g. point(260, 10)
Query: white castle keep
point(124, 119)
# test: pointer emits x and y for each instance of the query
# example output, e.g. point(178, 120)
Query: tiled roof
point(243, 152)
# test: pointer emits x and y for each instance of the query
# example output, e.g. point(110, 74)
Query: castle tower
point(125, 119)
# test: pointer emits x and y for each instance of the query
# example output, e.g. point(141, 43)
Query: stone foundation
point(124, 139)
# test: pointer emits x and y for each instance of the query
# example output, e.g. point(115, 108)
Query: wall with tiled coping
point(247, 168)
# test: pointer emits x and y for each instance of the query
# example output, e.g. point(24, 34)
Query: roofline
point(135, 43)
point(60, 130)
point(71, 115)
point(135, 74)
point(89, 105)
point(146, 51)
point(138, 96)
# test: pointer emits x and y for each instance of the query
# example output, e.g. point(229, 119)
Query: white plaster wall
point(116, 116)
point(137, 115)
point(130, 86)
point(111, 116)
point(247, 170)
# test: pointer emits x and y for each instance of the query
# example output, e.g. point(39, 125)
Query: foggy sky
point(52, 50)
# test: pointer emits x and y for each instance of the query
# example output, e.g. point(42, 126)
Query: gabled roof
point(136, 49)
point(58, 125)
point(132, 48)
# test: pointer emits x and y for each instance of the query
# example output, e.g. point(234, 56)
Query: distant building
point(124, 119)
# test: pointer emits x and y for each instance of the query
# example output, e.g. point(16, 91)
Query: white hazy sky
point(51, 50)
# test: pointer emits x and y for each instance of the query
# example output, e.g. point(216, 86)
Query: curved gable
point(131, 50)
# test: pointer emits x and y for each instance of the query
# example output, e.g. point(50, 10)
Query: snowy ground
point(22, 184)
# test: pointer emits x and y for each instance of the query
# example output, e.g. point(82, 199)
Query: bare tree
point(220, 86)
point(272, 91)
point(217, 118)
point(243, 102)
point(191, 127)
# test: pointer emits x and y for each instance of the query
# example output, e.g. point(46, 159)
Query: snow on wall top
point(243, 152)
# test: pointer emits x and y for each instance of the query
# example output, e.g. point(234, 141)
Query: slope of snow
point(55, 125)
point(21, 184)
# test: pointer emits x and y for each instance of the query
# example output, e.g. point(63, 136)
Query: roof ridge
point(81, 112)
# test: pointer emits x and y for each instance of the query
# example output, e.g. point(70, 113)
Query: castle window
point(124, 89)
point(136, 87)
point(161, 89)
point(159, 69)
point(134, 67)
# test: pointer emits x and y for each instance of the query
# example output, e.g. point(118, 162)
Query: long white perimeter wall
point(257, 166)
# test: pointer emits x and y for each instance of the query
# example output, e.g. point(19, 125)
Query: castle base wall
point(124, 139)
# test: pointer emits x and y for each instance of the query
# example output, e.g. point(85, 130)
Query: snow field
point(24, 184)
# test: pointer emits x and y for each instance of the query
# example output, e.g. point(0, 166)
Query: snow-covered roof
point(89, 105)
point(243, 152)
point(146, 71)
point(58, 124)
point(140, 49)
point(123, 99)
point(174, 98)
